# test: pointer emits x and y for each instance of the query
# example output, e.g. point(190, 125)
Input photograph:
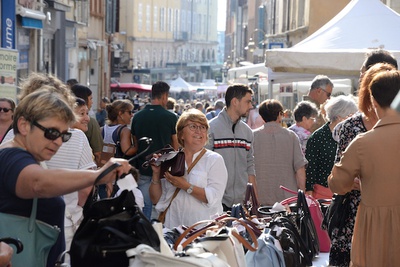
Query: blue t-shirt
point(49, 210)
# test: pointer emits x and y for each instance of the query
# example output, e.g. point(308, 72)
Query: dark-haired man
point(232, 138)
point(156, 122)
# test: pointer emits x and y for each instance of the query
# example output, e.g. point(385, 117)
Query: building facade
point(255, 25)
point(163, 39)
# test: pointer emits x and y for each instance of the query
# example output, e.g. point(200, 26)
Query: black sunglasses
point(52, 134)
point(5, 109)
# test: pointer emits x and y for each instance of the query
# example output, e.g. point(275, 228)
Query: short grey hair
point(340, 107)
point(321, 81)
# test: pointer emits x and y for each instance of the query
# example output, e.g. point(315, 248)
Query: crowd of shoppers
point(50, 149)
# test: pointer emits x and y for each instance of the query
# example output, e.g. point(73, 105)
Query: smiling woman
point(197, 195)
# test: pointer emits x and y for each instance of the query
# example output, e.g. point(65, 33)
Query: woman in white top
point(75, 154)
point(201, 190)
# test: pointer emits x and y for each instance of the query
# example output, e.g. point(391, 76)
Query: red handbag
point(316, 215)
point(321, 192)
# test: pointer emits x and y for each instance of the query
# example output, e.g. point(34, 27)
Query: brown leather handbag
point(170, 160)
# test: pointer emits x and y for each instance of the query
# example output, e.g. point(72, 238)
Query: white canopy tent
point(178, 85)
point(339, 47)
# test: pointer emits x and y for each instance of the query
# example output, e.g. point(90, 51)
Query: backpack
point(112, 150)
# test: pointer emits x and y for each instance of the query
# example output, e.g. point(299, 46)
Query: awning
point(31, 23)
point(123, 87)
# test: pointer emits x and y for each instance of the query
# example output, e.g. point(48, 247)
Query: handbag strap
point(32, 218)
point(196, 160)
point(215, 225)
point(189, 169)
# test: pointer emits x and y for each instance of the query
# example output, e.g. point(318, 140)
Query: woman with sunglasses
point(41, 123)
point(200, 190)
point(7, 106)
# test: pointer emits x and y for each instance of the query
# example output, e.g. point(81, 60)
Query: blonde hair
point(43, 104)
point(36, 81)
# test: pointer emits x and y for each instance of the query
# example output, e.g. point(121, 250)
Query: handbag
point(337, 213)
point(36, 236)
point(170, 160)
point(304, 221)
point(161, 216)
point(251, 202)
point(314, 209)
point(109, 228)
point(146, 256)
point(321, 192)
point(284, 228)
point(268, 254)
point(220, 239)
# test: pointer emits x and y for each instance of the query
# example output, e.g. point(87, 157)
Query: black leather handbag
point(337, 213)
point(109, 228)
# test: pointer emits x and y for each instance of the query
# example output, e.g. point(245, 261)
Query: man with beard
point(232, 138)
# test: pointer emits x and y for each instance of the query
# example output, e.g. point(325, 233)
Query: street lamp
point(253, 48)
point(225, 68)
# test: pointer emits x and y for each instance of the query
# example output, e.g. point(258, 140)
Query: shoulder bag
point(337, 213)
point(36, 236)
point(109, 228)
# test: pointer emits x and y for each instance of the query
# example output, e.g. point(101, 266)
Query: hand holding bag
point(36, 236)
point(170, 160)
point(109, 228)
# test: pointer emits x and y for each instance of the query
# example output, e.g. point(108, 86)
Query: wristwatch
point(190, 189)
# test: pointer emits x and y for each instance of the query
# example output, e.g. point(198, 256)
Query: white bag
point(146, 256)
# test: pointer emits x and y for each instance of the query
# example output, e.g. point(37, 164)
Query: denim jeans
point(144, 186)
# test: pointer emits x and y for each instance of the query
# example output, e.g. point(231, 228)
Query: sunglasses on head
point(5, 109)
point(52, 134)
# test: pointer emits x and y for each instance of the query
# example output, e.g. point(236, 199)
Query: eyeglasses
point(5, 109)
point(52, 134)
point(312, 118)
point(194, 127)
point(327, 93)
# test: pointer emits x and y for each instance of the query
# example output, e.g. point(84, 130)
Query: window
point(170, 19)
point(140, 17)
point(162, 19)
point(96, 8)
point(183, 20)
point(176, 22)
point(155, 19)
point(148, 18)
point(81, 12)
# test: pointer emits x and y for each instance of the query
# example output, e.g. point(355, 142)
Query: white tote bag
point(145, 256)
